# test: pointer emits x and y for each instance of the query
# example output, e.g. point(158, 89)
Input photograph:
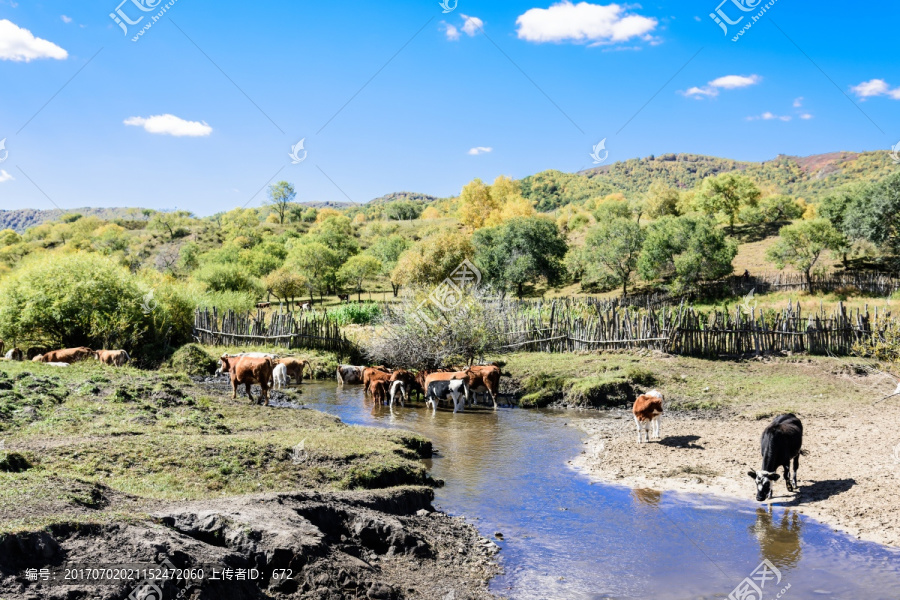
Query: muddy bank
point(848, 477)
point(386, 544)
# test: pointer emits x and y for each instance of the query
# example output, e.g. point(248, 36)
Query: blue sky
point(392, 96)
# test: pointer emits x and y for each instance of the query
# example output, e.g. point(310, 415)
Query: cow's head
point(224, 364)
point(763, 481)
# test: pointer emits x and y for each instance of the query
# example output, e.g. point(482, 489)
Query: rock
point(422, 513)
point(380, 591)
point(498, 535)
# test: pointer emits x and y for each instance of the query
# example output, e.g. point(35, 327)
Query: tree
point(801, 245)
point(336, 232)
point(522, 250)
point(316, 262)
point(387, 249)
point(429, 261)
point(285, 285)
point(725, 195)
point(874, 215)
point(611, 252)
point(281, 195)
point(661, 200)
point(476, 204)
point(358, 269)
point(173, 224)
point(228, 277)
point(686, 250)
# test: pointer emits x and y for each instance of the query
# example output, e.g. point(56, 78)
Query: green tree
point(285, 285)
point(801, 245)
point(281, 195)
point(228, 277)
point(336, 232)
point(173, 225)
point(686, 250)
point(725, 195)
point(874, 215)
point(387, 249)
point(317, 263)
point(661, 200)
point(611, 252)
point(520, 251)
point(358, 269)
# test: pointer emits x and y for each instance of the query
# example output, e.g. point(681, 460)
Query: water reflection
point(646, 497)
point(779, 541)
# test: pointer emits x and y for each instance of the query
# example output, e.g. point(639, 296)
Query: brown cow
point(248, 370)
point(67, 355)
point(380, 391)
point(295, 366)
point(483, 378)
point(115, 358)
point(647, 410)
point(409, 380)
point(371, 374)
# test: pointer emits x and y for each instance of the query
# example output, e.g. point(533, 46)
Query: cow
point(295, 367)
point(14, 354)
point(398, 391)
point(439, 388)
point(483, 378)
point(68, 355)
point(410, 383)
point(248, 370)
point(780, 444)
point(344, 297)
point(647, 411)
point(280, 376)
point(349, 374)
point(380, 390)
point(373, 374)
point(263, 304)
point(306, 306)
point(32, 352)
point(115, 358)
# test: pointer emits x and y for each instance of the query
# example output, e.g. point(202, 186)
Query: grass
point(103, 440)
point(749, 388)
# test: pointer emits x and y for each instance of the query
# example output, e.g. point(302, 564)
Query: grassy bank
point(90, 442)
point(755, 388)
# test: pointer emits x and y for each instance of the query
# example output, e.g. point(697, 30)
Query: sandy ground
point(848, 478)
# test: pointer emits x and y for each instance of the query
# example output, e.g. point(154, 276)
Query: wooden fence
point(288, 330)
point(571, 326)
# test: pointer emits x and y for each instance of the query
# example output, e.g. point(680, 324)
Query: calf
point(248, 370)
point(14, 354)
point(380, 391)
point(398, 391)
point(68, 355)
point(438, 386)
point(373, 374)
point(115, 358)
point(279, 376)
point(349, 374)
point(647, 411)
point(780, 444)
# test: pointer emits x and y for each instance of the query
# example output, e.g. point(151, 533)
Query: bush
point(193, 360)
point(228, 278)
point(355, 313)
point(640, 376)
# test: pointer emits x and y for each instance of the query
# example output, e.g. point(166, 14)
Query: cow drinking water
point(780, 444)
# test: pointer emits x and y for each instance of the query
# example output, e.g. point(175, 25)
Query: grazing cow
point(263, 304)
point(14, 354)
point(780, 444)
point(248, 370)
point(344, 297)
point(380, 390)
point(115, 358)
point(439, 388)
point(398, 392)
point(280, 376)
point(373, 374)
point(68, 355)
point(295, 367)
point(483, 378)
point(306, 306)
point(349, 374)
point(647, 411)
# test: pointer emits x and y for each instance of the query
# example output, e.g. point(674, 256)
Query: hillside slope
point(24, 218)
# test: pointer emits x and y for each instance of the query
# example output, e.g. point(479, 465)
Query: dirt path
point(849, 477)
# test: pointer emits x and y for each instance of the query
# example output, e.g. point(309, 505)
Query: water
point(565, 538)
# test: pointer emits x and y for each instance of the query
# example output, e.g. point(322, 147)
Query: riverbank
point(849, 472)
point(103, 466)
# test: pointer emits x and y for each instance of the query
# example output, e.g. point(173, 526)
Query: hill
point(21, 219)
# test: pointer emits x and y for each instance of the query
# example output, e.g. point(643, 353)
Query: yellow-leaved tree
point(482, 205)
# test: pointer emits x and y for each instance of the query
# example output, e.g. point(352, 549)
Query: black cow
point(455, 389)
point(780, 444)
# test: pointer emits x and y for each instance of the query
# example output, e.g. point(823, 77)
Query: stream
point(565, 537)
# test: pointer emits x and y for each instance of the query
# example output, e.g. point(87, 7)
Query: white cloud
point(480, 150)
point(583, 23)
point(875, 87)
point(728, 82)
point(4, 176)
point(767, 116)
point(806, 116)
point(472, 25)
point(798, 102)
point(66, 19)
point(451, 31)
point(171, 125)
point(20, 45)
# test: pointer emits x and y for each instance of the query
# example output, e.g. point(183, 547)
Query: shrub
point(193, 360)
point(355, 313)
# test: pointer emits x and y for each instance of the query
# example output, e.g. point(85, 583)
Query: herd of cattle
point(66, 356)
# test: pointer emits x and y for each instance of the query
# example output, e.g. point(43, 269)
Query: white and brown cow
point(648, 409)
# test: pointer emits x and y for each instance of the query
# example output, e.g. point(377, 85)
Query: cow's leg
point(234, 385)
point(796, 465)
point(493, 397)
point(265, 394)
point(656, 427)
point(637, 422)
point(249, 394)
